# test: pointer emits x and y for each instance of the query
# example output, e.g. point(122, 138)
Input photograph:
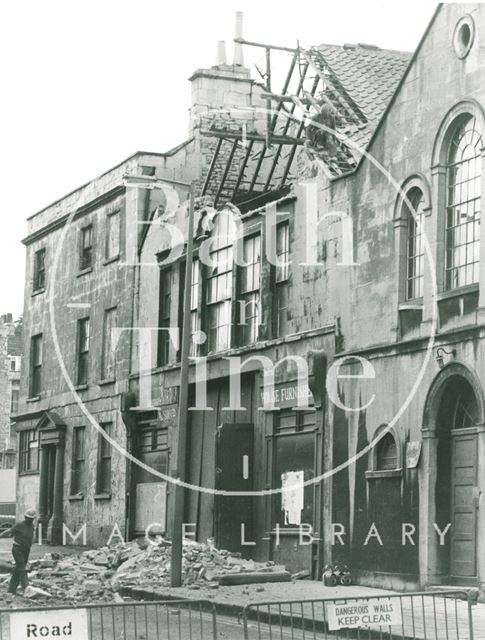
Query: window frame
point(104, 458)
point(380, 435)
point(86, 249)
point(249, 298)
point(218, 310)
point(281, 281)
point(36, 358)
point(14, 400)
point(27, 437)
point(459, 129)
point(39, 270)
point(107, 351)
point(164, 316)
point(415, 218)
point(78, 482)
point(83, 343)
point(109, 216)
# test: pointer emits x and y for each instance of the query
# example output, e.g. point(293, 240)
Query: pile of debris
point(101, 574)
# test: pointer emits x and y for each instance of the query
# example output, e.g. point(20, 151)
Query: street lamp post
point(145, 182)
point(179, 499)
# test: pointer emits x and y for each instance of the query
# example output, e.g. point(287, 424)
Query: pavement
point(424, 617)
point(280, 609)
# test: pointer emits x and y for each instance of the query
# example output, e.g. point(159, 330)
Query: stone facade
point(393, 442)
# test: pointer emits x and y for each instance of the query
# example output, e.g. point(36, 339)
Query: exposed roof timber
point(230, 134)
point(212, 165)
point(226, 170)
point(300, 132)
point(266, 46)
point(242, 168)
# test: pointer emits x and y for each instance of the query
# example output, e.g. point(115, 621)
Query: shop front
point(293, 435)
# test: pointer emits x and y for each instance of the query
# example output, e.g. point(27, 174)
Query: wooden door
point(464, 503)
point(234, 468)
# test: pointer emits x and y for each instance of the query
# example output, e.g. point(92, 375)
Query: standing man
point(23, 537)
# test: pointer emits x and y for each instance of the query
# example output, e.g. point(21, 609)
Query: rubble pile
point(101, 573)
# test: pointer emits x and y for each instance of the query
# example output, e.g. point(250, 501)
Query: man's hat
point(30, 513)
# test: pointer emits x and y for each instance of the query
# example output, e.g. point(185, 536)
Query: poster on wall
point(413, 452)
point(292, 496)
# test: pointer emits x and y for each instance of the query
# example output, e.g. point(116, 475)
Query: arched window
point(386, 453)
point(463, 204)
point(465, 413)
point(414, 212)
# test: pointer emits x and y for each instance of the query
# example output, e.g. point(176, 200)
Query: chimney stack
point(221, 53)
point(238, 52)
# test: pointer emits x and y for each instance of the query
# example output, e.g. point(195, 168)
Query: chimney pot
point(238, 52)
point(221, 53)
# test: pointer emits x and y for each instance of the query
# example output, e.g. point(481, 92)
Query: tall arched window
point(414, 210)
point(463, 204)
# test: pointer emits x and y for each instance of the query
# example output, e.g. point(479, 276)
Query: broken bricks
point(104, 572)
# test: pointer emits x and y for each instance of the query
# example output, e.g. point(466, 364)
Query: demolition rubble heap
point(102, 573)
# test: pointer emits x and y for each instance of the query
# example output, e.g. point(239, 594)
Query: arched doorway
point(457, 479)
point(453, 422)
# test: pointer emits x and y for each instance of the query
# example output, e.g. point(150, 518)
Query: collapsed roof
point(331, 94)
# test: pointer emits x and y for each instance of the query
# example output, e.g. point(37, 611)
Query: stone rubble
point(100, 574)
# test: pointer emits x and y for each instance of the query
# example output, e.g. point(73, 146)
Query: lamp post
point(146, 182)
point(179, 499)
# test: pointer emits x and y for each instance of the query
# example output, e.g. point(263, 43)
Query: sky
point(86, 84)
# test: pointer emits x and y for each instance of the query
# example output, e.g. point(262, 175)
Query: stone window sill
point(112, 259)
point(83, 272)
point(107, 381)
point(414, 304)
point(32, 472)
point(387, 473)
point(81, 387)
point(102, 496)
point(33, 399)
point(37, 292)
point(78, 496)
point(454, 293)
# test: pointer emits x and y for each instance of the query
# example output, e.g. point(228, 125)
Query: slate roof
point(353, 83)
point(360, 81)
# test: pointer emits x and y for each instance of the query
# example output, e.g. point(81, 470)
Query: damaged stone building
point(355, 188)
point(11, 344)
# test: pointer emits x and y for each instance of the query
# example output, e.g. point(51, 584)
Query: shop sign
point(288, 394)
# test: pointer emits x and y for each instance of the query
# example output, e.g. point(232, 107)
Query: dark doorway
point(234, 472)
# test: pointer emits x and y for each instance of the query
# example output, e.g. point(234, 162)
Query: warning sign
point(61, 624)
point(376, 612)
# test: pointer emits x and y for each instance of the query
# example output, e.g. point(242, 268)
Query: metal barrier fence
point(444, 615)
point(170, 620)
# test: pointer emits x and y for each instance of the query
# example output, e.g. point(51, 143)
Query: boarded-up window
point(113, 235)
